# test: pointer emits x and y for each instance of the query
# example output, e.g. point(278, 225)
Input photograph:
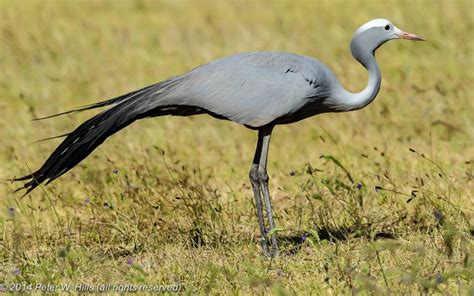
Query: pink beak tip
point(410, 36)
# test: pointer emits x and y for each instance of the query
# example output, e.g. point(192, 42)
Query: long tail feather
point(51, 138)
point(89, 135)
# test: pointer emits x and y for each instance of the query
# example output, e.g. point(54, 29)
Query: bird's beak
point(409, 36)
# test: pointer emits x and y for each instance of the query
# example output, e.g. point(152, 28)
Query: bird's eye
point(387, 27)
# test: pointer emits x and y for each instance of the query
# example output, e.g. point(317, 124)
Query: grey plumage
point(258, 89)
point(253, 89)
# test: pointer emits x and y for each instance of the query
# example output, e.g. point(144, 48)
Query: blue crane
point(258, 90)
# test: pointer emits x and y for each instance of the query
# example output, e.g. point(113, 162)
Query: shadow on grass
point(292, 243)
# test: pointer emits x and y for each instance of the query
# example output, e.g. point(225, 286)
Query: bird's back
point(254, 88)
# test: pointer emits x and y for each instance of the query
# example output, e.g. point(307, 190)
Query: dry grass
point(168, 200)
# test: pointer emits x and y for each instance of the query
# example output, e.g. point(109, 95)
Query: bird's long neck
point(346, 100)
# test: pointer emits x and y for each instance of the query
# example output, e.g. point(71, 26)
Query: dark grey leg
point(258, 200)
point(265, 135)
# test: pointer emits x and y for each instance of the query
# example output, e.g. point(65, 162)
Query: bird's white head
point(373, 34)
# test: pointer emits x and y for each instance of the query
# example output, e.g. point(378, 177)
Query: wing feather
point(253, 89)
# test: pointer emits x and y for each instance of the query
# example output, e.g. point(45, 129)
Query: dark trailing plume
point(79, 143)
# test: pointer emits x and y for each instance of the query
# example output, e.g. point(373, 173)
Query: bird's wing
point(253, 88)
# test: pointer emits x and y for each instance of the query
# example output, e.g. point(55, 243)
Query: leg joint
point(253, 174)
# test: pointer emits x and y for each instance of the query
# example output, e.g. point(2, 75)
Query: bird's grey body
point(253, 89)
point(258, 89)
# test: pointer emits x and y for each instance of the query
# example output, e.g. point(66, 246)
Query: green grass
point(168, 199)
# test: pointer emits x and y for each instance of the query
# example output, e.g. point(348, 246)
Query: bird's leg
point(258, 200)
point(265, 135)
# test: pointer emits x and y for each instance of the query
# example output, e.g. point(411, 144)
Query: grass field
point(168, 201)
